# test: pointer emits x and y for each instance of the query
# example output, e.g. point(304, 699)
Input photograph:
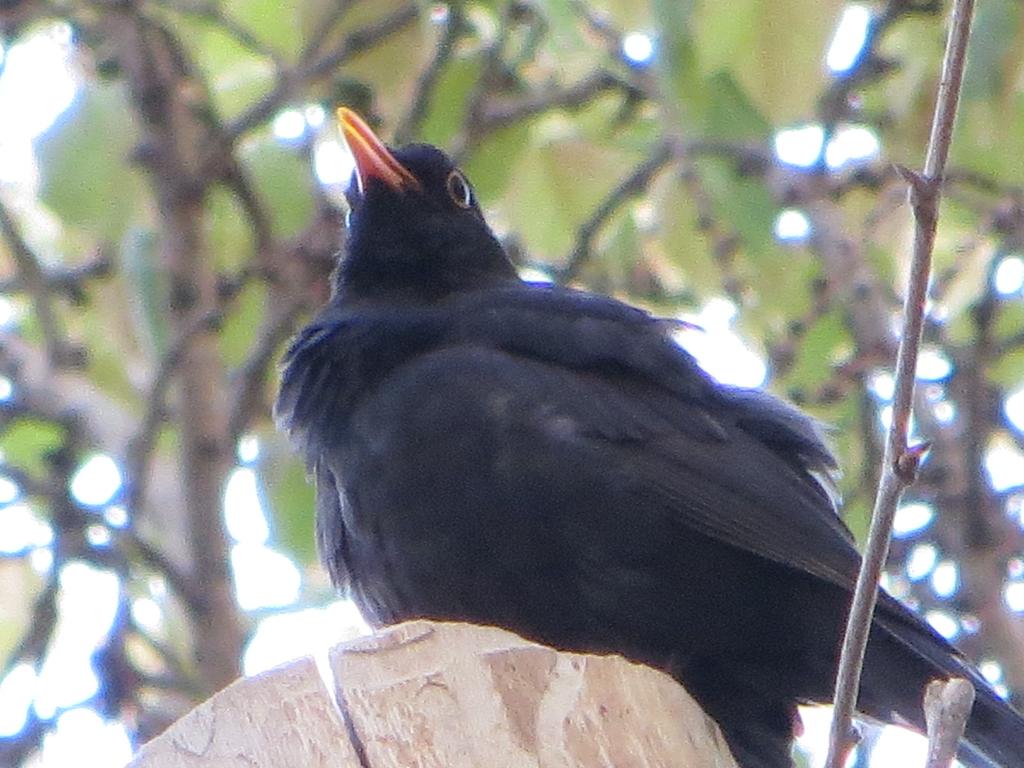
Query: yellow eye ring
point(459, 190)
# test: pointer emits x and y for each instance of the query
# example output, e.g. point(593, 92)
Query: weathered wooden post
point(451, 696)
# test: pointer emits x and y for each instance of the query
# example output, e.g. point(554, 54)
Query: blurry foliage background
point(174, 216)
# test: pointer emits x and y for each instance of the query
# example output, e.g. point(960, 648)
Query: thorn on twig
point(854, 735)
point(947, 705)
point(909, 175)
point(909, 461)
point(923, 193)
point(852, 739)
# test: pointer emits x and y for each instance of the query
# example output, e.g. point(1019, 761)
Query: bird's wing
point(588, 332)
point(738, 465)
point(707, 469)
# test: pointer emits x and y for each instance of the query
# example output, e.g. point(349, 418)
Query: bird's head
point(416, 231)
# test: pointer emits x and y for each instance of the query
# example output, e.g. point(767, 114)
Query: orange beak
point(373, 159)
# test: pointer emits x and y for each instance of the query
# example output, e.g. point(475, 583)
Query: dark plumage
point(552, 462)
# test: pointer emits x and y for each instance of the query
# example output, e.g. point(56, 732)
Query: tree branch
point(501, 112)
point(309, 71)
point(34, 281)
point(212, 12)
point(631, 186)
point(139, 449)
point(409, 126)
point(901, 461)
point(156, 68)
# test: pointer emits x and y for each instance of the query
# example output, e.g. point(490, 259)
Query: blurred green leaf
point(448, 108)
point(390, 69)
point(563, 19)
point(230, 237)
point(990, 127)
point(235, 74)
point(113, 357)
point(284, 180)
point(628, 15)
point(856, 513)
point(820, 348)
point(682, 241)
point(1008, 370)
point(84, 173)
point(907, 96)
point(996, 38)
point(292, 505)
point(678, 65)
point(274, 23)
point(990, 138)
point(744, 204)
point(774, 52)
point(557, 185)
point(238, 332)
point(621, 252)
point(492, 165)
point(731, 113)
point(26, 442)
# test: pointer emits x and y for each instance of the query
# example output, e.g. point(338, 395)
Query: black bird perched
point(550, 461)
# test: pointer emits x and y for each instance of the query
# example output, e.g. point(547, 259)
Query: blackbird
point(552, 462)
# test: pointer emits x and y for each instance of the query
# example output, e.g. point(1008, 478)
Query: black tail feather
point(995, 733)
point(909, 652)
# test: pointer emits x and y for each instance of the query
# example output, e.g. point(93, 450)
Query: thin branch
point(237, 180)
point(212, 12)
point(490, 69)
point(139, 449)
point(838, 102)
point(599, 24)
point(324, 28)
point(32, 277)
point(307, 72)
point(426, 83)
point(502, 112)
point(179, 678)
point(636, 183)
point(41, 626)
point(68, 282)
point(62, 396)
point(633, 185)
point(250, 379)
point(159, 562)
point(901, 461)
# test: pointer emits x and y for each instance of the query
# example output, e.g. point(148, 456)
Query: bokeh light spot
point(96, 481)
point(849, 39)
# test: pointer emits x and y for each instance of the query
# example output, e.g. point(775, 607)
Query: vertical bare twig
point(901, 460)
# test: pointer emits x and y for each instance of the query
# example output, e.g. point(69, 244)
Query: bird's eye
point(459, 190)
